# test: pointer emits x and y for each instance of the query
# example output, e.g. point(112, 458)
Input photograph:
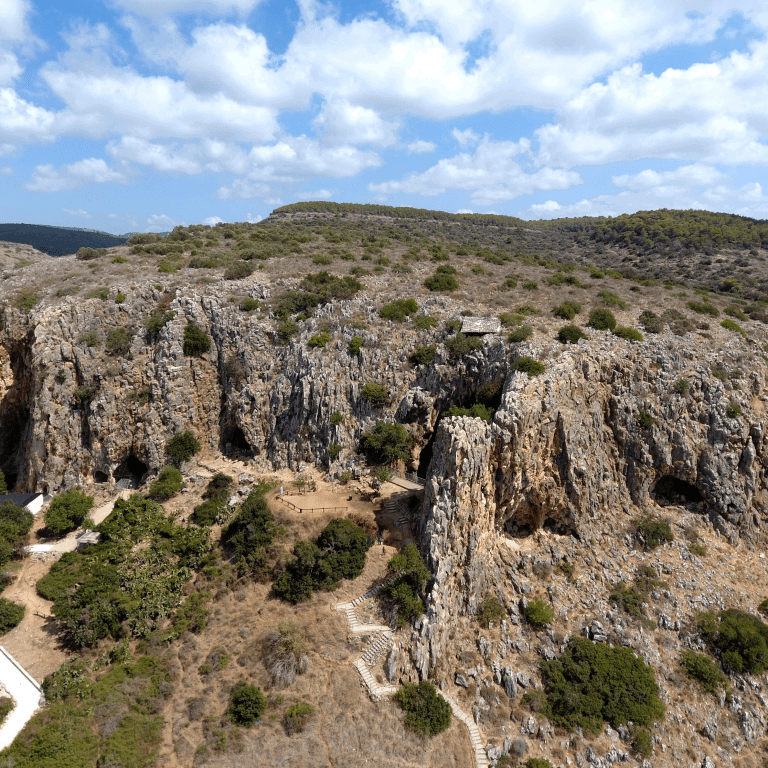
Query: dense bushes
point(337, 553)
point(10, 615)
point(602, 319)
point(567, 310)
point(67, 511)
point(528, 365)
point(461, 344)
point(297, 716)
point(238, 270)
point(592, 683)
point(169, 482)
point(251, 534)
point(702, 669)
point(386, 443)
point(182, 447)
point(538, 613)
point(521, 333)
point(740, 638)
point(329, 287)
point(398, 310)
point(570, 334)
point(423, 355)
point(653, 532)
point(443, 279)
point(405, 589)
point(478, 411)
point(375, 394)
point(628, 334)
point(196, 341)
point(118, 341)
point(426, 712)
point(489, 611)
point(246, 704)
point(15, 523)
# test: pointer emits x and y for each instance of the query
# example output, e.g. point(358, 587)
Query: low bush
point(238, 270)
point(196, 341)
point(704, 308)
point(375, 394)
point(443, 280)
point(356, 344)
point(426, 712)
point(602, 319)
point(478, 411)
point(628, 334)
point(157, 321)
point(246, 704)
point(328, 287)
point(84, 393)
point(90, 338)
point(285, 654)
point(11, 614)
point(460, 345)
point(3, 485)
point(510, 282)
point(297, 716)
point(118, 341)
point(169, 482)
point(538, 762)
point(334, 449)
point(610, 299)
point(653, 531)
point(567, 310)
point(530, 285)
point(742, 640)
point(592, 683)
point(731, 325)
point(206, 513)
point(424, 322)
point(336, 418)
point(182, 447)
point(570, 334)
point(248, 304)
point(398, 310)
point(319, 340)
point(423, 355)
point(489, 611)
point(452, 325)
point(287, 329)
point(404, 591)
point(521, 333)
point(733, 410)
point(528, 365)
point(702, 669)
point(644, 419)
point(651, 322)
point(628, 598)
point(67, 511)
point(250, 535)
point(527, 309)
point(538, 613)
point(386, 443)
point(681, 386)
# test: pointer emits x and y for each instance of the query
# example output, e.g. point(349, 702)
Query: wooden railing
point(293, 506)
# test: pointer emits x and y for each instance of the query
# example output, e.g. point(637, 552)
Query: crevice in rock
point(676, 491)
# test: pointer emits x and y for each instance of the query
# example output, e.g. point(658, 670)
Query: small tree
point(118, 341)
point(375, 394)
point(169, 482)
point(602, 319)
point(398, 310)
point(538, 613)
point(528, 365)
point(490, 610)
point(246, 704)
point(386, 443)
point(196, 341)
point(182, 447)
point(67, 511)
point(570, 334)
point(10, 615)
point(426, 712)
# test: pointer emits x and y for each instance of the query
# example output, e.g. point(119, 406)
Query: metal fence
point(312, 509)
point(410, 476)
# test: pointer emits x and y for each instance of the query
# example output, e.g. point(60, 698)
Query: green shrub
point(628, 599)
point(567, 310)
point(644, 419)
point(169, 482)
point(120, 298)
point(157, 321)
point(98, 293)
point(206, 513)
point(527, 309)
point(383, 474)
point(763, 607)
point(508, 320)
point(611, 299)
point(251, 533)
point(538, 613)
point(628, 334)
point(424, 322)
point(423, 355)
point(67, 511)
point(319, 340)
point(592, 683)
point(521, 333)
point(452, 325)
point(410, 576)
point(196, 341)
point(443, 280)
point(246, 704)
point(334, 449)
point(642, 741)
point(570, 334)
point(118, 341)
point(426, 712)
point(248, 304)
point(287, 329)
point(602, 319)
point(528, 365)
point(654, 532)
point(336, 418)
point(90, 338)
point(322, 259)
point(704, 308)
point(530, 285)
point(651, 322)
point(356, 344)
point(681, 386)
point(375, 394)
point(25, 300)
point(398, 310)
point(206, 261)
point(10, 615)
point(328, 287)
point(238, 270)
point(730, 325)
point(702, 669)
point(742, 640)
point(386, 443)
point(478, 411)
point(510, 282)
point(296, 717)
point(489, 611)
point(460, 345)
point(3, 485)
point(182, 447)
point(733, 410)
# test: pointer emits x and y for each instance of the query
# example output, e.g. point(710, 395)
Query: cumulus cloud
point(418, 147)
point(155, 8)
point(251, 219)
point(465, 137)
point(77, 212)
point(160, 222)
point(320, 194)
point(22, 121)
point(347, 123)
point(212, 221)
point(47, 178)
point(491, 175)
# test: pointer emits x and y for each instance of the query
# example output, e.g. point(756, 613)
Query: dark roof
point(19, 499)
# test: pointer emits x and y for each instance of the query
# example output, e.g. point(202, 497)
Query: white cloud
point(46, 178)
point(669, 182)
point(347, 123)
point(154, 8)
point(465, 137)
point(491, 174)
point(113, 216)
point(20, 120)
point(243, 188)
point(212, 221)
point(13, 15)
point(77, 212)
point(465, 210)
point(162, 223)
point(320, 194)
point(251, 219)
point(422, 146)
point(6, 171)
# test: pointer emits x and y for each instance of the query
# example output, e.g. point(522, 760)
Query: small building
point(87, 537)
point(32, 502)
point(479, 326)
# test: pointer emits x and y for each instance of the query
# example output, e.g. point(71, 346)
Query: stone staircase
point(381, 643)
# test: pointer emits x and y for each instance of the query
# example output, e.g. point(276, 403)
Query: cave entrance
point(132, 467)
point(425, 456)
point(100, 477)
point(234, 439)
point(676, 491)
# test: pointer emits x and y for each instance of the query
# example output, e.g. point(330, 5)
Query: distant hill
point(57, 241)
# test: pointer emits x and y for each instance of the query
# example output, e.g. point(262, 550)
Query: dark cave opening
point(234, 439)
point(676, 491)
point(132, 467)
point(100, 477)
point(10, 480)
point(426, 454)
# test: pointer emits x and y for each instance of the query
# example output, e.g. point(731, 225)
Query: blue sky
point(135, 115)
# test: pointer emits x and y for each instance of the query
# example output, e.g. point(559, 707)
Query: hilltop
point(581, 481)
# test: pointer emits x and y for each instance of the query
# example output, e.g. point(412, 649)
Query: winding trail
point(382, 641)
